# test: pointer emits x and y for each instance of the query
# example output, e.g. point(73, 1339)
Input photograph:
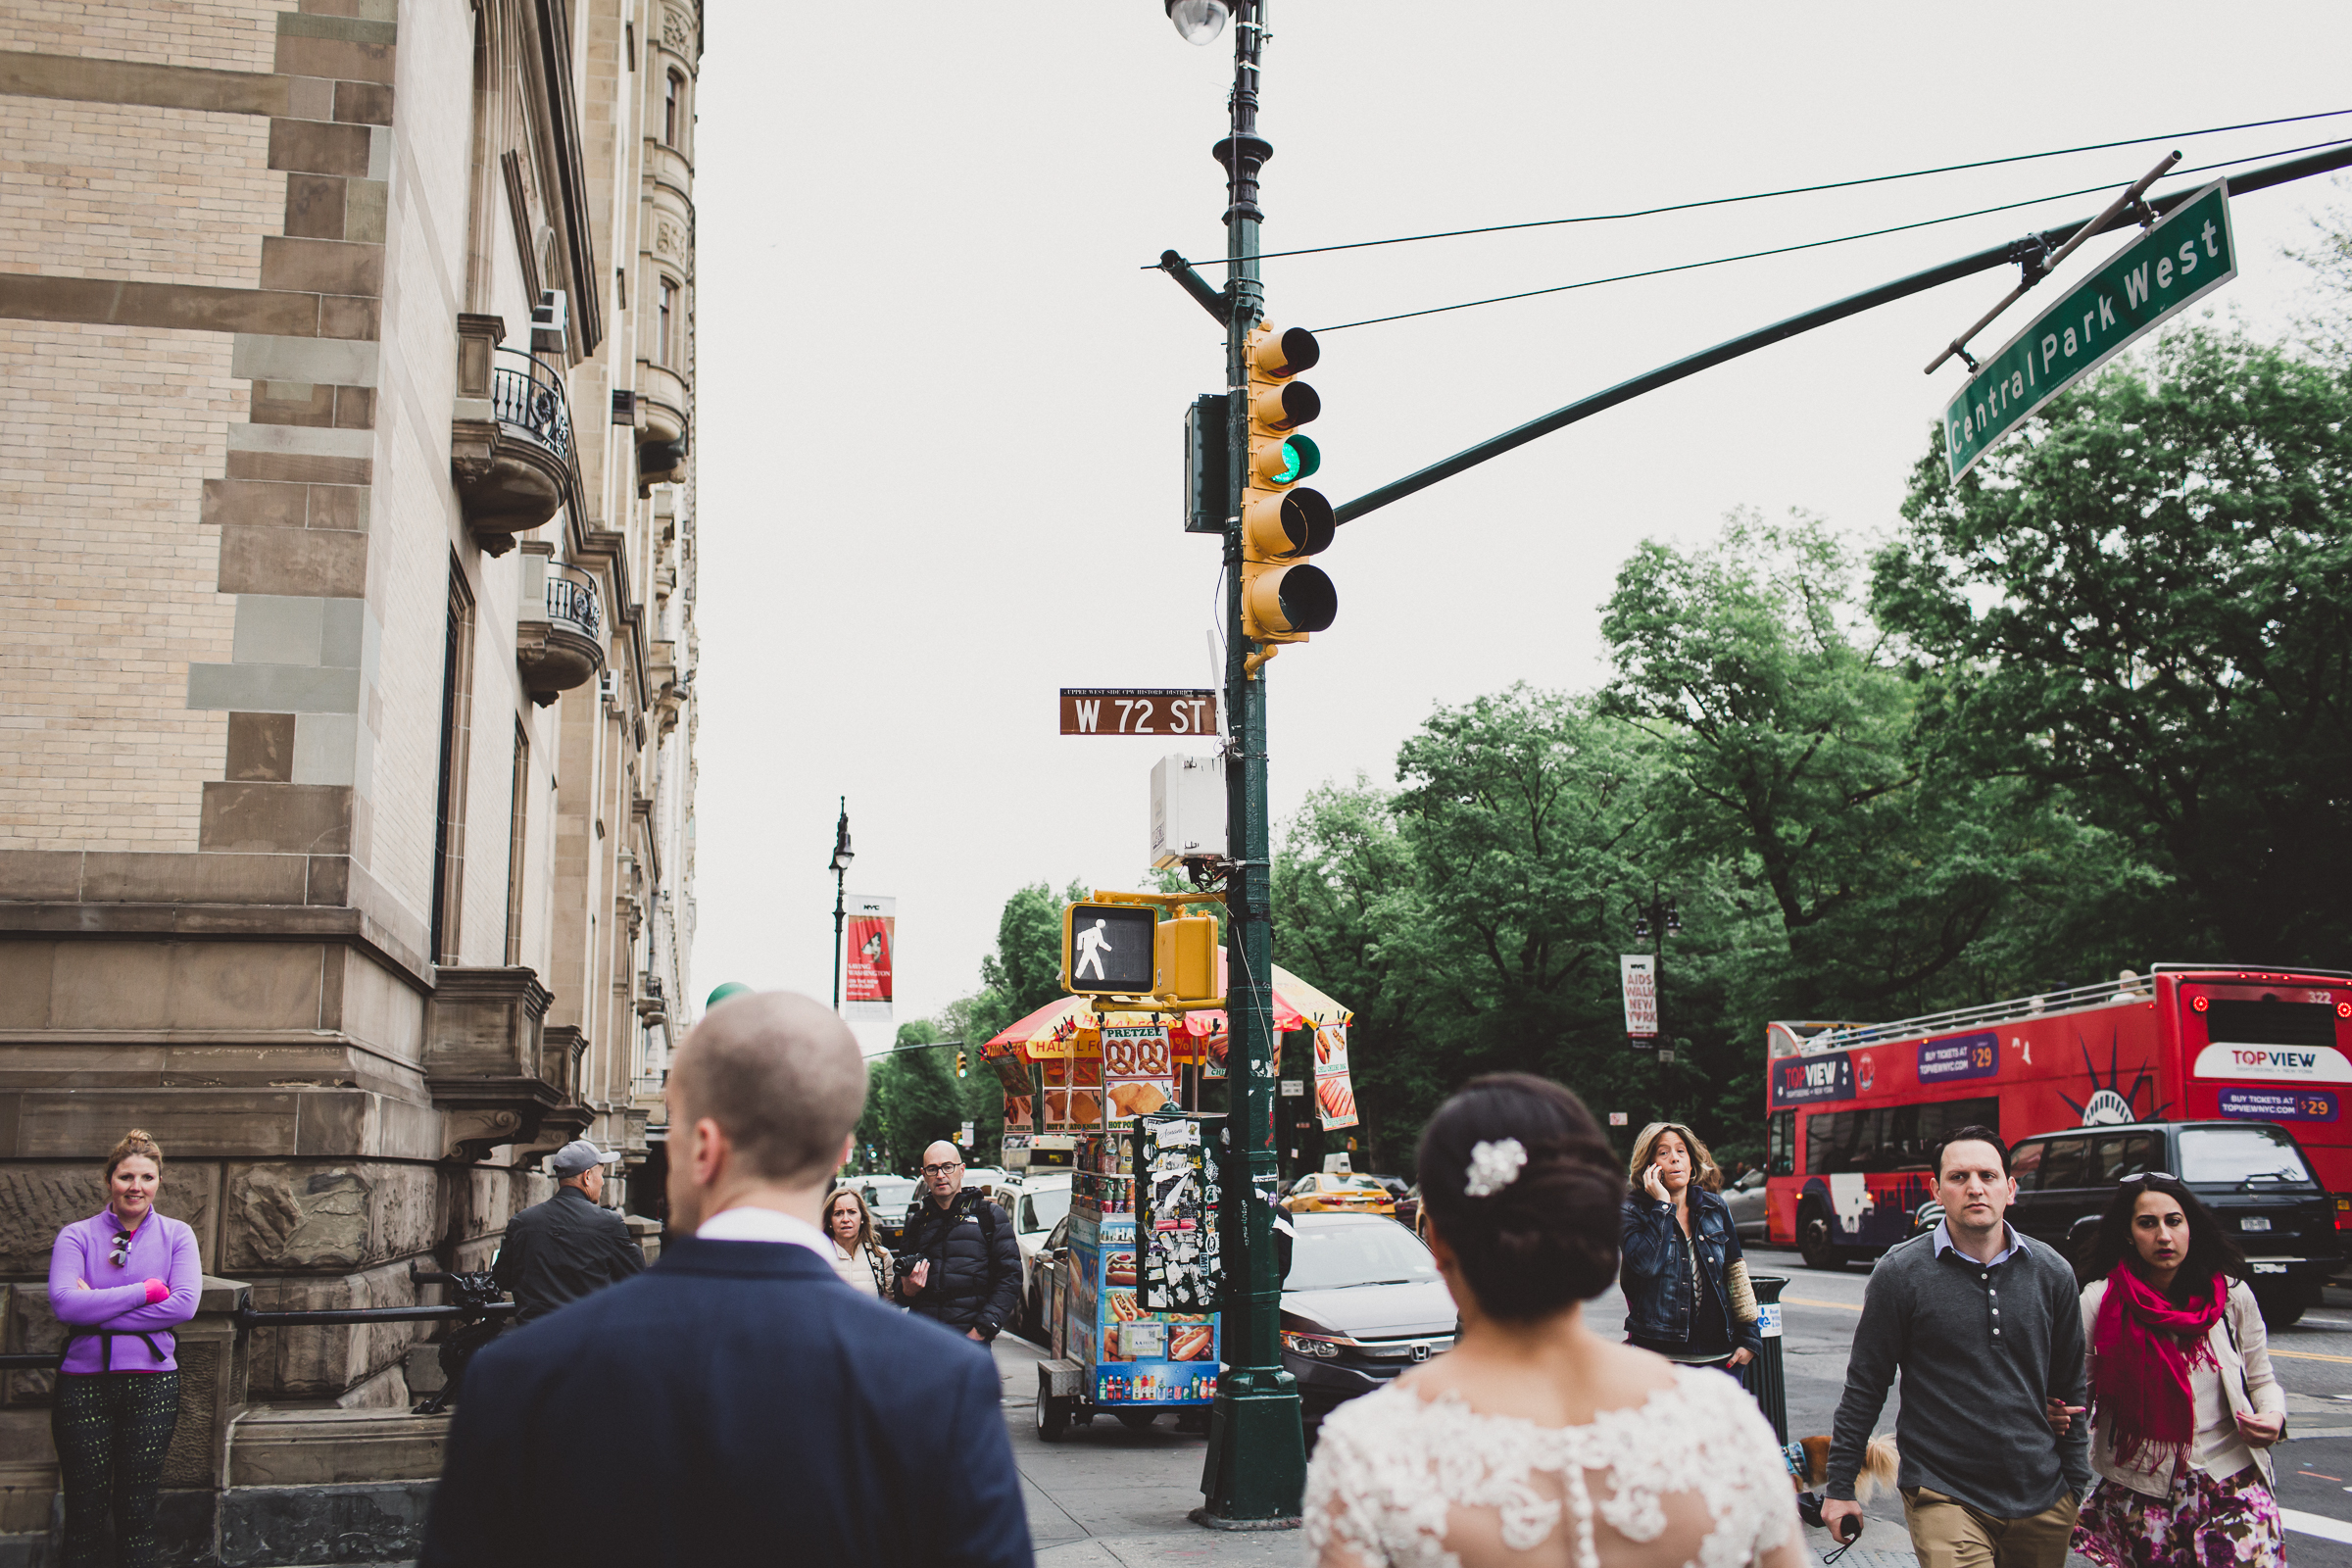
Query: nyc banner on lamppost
point(869, 937)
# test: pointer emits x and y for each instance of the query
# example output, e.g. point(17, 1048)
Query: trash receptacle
point(1768, 1378)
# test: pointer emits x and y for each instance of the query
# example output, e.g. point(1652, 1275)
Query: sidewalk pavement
point(1108, 1497)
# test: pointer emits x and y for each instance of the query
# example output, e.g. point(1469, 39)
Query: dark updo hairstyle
point(1549, 1238)
point(2211, 1251)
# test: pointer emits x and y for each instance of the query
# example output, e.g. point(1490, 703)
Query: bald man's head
point(943, 1171)
point(782, 1077)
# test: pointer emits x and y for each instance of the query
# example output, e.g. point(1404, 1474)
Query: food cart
point(1132, 1294)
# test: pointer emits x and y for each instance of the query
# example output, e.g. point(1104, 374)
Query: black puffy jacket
point(975, 1278)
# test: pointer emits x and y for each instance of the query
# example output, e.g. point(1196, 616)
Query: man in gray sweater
point(1984, 1325)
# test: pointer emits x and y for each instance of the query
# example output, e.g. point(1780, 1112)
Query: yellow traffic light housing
point(1184, 958)
point(959, 1064)
point(1283, 523)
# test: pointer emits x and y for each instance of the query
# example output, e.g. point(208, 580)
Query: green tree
point(2140, 601)
point(1889, 879)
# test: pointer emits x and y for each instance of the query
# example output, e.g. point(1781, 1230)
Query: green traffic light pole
point(1256, 1474)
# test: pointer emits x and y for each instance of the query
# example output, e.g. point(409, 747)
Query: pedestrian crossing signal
point(1106, 950)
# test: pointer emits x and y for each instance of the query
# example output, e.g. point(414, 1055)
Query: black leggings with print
point(111, 1430)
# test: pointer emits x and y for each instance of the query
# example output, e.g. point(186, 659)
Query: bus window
point(2025, 1164)
point(2125, 1154)
point(1780, 1153)
point(1891, 1138)
point(2270, 1022)
point(2062, 1166)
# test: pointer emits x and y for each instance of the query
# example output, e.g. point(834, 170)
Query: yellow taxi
point(1339, 1193)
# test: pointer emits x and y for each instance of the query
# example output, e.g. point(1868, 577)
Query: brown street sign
point(1132, 710)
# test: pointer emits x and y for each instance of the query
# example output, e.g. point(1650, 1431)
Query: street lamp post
point(841, 869)
point(1256, 1475)
point(1664, 916)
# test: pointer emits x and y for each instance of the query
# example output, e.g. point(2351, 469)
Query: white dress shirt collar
point(1946, 1244)
point(750, 1224)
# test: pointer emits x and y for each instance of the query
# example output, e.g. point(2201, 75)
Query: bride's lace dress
point(1690, 1476)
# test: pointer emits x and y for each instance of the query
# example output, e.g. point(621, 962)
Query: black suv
point(2251, 1174)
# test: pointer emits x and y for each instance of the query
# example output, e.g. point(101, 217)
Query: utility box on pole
point(1188, 810)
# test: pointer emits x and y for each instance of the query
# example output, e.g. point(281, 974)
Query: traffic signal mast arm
point(2033, 246)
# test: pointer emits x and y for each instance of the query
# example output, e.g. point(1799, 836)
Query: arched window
point(671, 105)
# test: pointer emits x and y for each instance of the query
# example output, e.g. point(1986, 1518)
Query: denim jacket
point(1656, 1273)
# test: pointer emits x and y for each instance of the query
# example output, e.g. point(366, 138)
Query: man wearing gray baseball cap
point(569, 1245)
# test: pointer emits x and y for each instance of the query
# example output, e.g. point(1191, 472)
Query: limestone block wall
point(112, 432)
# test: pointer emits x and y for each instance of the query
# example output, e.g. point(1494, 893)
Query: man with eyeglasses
point(959, 1261)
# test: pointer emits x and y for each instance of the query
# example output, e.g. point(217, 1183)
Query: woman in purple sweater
point(119, 1281)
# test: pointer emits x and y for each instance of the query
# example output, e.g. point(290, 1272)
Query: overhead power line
point(1805, 245)
point(1794, 190)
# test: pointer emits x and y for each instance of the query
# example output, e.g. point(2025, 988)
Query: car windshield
point(1332, 1257)
point(2253, 1153)
point(889, 1192)
point(1041, 1210)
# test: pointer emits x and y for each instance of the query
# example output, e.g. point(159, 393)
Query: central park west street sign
point(2182, 259)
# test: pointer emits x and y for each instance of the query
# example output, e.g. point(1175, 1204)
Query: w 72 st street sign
point(2183, 257)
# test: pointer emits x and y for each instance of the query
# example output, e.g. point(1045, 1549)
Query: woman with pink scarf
point(2183, 1405)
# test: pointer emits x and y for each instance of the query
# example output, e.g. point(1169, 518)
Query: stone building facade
point(346, 719)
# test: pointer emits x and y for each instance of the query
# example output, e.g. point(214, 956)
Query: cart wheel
point(1053, 1418)
point(1137, 1420)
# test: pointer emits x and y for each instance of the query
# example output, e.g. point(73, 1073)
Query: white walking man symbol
point(1091, 944)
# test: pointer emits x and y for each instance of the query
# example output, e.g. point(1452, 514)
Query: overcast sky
point(940, 442)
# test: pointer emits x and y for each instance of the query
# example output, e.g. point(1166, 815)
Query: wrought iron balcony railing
point(528, 397)
point(572, 603)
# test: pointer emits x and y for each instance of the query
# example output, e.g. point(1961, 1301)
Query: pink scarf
point(2141, 1349)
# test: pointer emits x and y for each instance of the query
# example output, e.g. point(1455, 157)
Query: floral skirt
point(2202, 1523)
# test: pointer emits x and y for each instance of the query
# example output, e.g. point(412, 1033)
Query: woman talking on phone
point(1686, 1286)
point(120, 1281)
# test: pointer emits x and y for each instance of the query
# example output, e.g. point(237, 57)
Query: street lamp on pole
point(839, 864)
point(1663, 915)
point(1255, 1476)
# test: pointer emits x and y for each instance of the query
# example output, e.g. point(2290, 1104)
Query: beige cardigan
point(2244, 1378)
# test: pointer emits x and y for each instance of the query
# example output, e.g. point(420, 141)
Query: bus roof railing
point(1991, 1013)
point(2071, 998)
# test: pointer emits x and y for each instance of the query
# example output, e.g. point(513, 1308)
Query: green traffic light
point(1299, 460)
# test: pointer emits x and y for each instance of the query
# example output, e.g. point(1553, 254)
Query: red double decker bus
point(1856, 1112)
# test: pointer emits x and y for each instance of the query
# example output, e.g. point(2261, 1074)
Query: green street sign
point(2186, 256)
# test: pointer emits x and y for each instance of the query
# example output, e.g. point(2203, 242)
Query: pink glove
point(157, 1289)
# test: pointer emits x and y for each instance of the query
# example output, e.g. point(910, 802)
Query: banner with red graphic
point(868, 936)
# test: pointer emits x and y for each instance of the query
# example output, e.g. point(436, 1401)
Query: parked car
point(1333, 1192)
point(1744, 1198)
point(1039, 1280)
point(2252, 1175)
point(1408, 1209)
point(889, 1197)
point(1035, 1207)
point(1361, 1302)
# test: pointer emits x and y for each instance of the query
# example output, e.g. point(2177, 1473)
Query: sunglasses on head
point(2149, 1175)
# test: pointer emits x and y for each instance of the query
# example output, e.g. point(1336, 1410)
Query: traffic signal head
point(1283, 596)
point(1184, 958)
point(959, 1064)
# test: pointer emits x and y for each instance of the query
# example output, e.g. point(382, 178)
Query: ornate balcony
point(511, 440)
point(559, 627)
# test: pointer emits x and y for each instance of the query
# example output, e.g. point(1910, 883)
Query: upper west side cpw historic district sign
point(2182, 259)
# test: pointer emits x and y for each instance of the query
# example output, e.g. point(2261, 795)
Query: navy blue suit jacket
point(736, 1402)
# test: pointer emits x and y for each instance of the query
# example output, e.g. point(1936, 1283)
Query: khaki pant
point(1947, 1533)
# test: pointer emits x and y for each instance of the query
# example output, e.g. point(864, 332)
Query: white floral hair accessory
point(1494, 1166)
